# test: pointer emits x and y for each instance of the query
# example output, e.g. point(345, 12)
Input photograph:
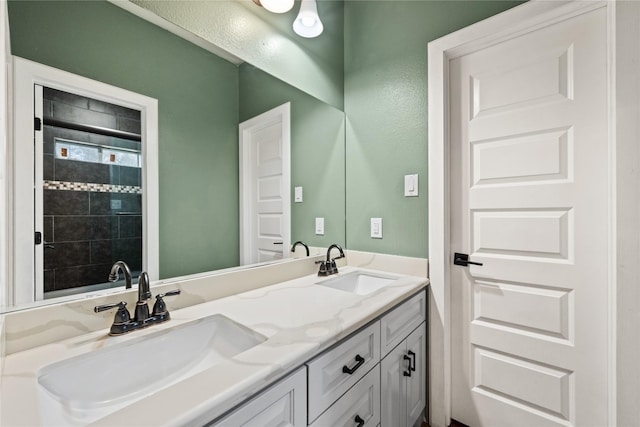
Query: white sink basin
point(97, 383)
point(359, 282)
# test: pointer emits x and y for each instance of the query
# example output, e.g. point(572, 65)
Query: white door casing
point(27, 75)
point(5, 135)
point(554, 216)
point(265, 182)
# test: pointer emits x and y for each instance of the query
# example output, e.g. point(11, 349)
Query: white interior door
point(265, 201)
point(529, 183)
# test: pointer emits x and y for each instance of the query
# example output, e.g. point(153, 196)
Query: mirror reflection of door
point(265, 178)
point(88, 192)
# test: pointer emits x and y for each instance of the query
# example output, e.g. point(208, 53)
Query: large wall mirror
point(202, 99)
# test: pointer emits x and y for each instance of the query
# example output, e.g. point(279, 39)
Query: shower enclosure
point(89, 199)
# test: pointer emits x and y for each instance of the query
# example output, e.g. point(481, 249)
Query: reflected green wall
point(267, 40)
point(197, 96)
point(385, 94)
point(317, 153)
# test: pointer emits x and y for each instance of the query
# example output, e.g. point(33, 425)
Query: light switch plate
point(411, 185)
point(297, 195)
point(376, 228)
point(320, 226)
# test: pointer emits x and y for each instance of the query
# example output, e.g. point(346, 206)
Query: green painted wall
point(267, 40)
point(381, 65)
point(386, 108)
point(198, 115)
point(317, 153)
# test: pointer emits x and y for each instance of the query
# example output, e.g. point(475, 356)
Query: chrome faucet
point(293, 248)
point(114, 275)
point(329, 266)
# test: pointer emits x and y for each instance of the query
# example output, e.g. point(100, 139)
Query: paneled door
point(529, 185)
point(265, 200)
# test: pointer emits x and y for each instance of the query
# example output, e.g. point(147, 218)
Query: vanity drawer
point(362, 402)
point(399, 322)
point(332, 373)
point(283, 404)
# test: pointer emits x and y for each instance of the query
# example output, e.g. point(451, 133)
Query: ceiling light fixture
point(276, 6)
point(308, 23)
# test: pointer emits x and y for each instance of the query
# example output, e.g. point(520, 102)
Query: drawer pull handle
point(412, 365)
point(350, 371)
point(359, 420)
point(408, 359)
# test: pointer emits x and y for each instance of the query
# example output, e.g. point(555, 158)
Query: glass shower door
point(89, 195)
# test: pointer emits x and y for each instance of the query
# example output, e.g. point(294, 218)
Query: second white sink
point(359, 282)
point(124, 372)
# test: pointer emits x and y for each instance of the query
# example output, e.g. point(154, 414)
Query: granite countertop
point(298, 318)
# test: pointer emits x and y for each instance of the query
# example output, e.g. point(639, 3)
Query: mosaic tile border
point(89, 186)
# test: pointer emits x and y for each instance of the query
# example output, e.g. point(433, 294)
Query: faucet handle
point(332, 268)
point(122, 306)
point(122, 318)
point(324, 268)
point(160, 308)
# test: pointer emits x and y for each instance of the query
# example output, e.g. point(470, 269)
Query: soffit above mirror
point(266, 40)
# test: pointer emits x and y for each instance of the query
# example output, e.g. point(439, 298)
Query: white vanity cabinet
point(385, 396)
point(403, 381)
point(374, 378)
point(283, 405)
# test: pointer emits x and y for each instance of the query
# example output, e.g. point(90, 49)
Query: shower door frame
point(23, 260)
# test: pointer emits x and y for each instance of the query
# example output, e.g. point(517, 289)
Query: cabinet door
point(282, 405)
point(417, 382)
point(393, 410)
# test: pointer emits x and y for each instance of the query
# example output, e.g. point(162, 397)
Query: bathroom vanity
point(374, 377)
point(349, 349)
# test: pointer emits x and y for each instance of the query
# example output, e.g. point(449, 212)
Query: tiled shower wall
point(87, 227)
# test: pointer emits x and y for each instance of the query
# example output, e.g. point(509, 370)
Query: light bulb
point(277, 6)
point(307, 23)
